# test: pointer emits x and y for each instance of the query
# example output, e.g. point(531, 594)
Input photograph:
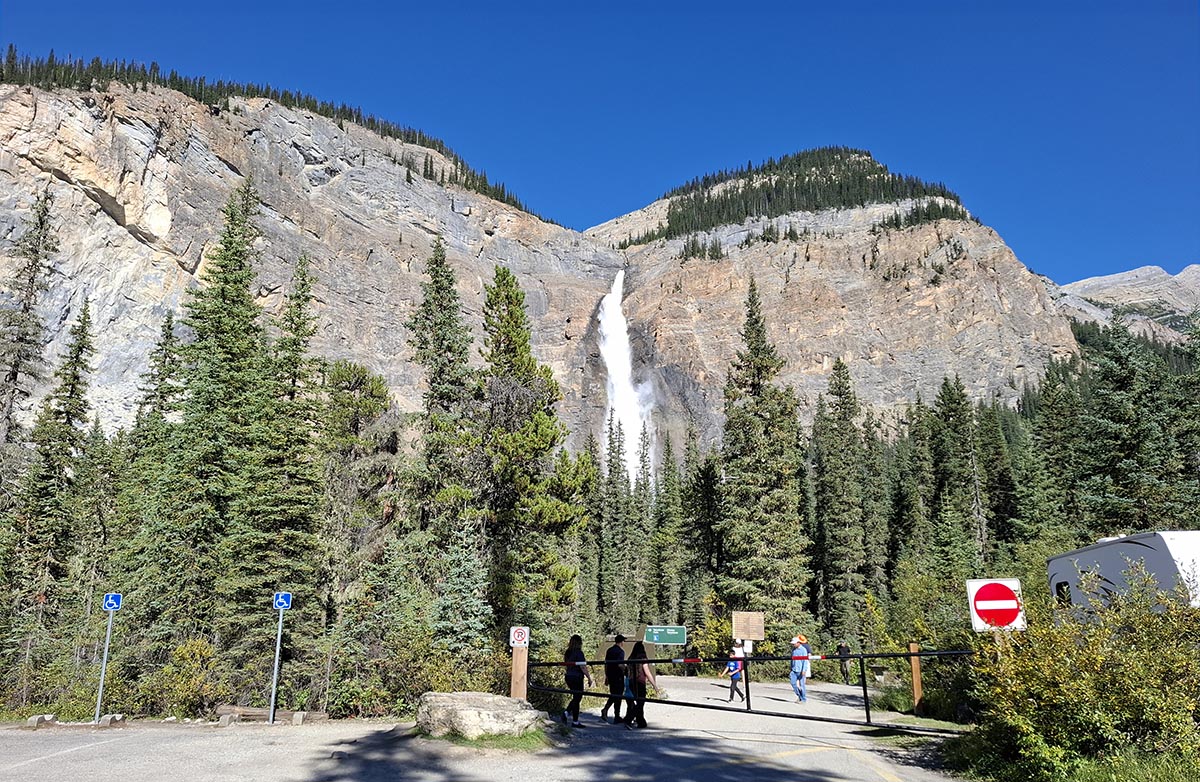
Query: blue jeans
point(798, 686)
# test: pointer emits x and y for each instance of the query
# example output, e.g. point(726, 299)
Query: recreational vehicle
point(1170, 557)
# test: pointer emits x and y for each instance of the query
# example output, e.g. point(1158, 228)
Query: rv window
point(1062, 591)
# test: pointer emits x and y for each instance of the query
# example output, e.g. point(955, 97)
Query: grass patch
point(929, 722)
point(1141, 767)
point(530, 741)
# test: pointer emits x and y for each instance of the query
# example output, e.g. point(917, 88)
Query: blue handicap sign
point(282, 600)
point(112, 601)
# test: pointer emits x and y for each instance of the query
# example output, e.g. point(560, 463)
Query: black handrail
point(862, 666)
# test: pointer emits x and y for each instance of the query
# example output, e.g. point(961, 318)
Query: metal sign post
point(111, 604)
point(282, 602)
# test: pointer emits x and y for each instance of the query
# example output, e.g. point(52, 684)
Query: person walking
point(614, 677)
point(576, 670)
point(843, 653)
point(641, 676)
point(800, 668)
point(734, 669)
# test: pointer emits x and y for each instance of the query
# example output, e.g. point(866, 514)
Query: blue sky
point(1073, 132)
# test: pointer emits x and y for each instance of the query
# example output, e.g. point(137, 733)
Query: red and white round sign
point(996, 604)
point(518, 636)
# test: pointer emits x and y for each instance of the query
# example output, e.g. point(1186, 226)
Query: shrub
point(1086, 684)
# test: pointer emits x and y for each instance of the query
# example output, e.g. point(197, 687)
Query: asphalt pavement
point(685, 744)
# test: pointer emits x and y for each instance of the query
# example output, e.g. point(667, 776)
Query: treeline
point(816, 179)
point(254, 467)
point(76, 74)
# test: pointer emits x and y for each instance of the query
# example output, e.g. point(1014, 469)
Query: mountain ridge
point(140, 175)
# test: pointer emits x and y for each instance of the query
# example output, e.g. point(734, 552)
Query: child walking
point(734, 668)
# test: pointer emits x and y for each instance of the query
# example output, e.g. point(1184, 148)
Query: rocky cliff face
point(1155, 303)
point(902, 307)
point(139, 178)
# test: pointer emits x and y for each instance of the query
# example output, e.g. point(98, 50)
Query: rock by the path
point(475, 714)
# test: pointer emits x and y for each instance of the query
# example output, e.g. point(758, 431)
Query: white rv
point(1171, 557)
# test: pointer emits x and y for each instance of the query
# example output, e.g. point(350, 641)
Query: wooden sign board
point(748, 625)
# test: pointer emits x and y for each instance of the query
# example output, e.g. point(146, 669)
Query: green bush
point(1087, 684)
point(190, 685)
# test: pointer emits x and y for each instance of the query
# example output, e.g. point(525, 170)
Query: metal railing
point(746, 666)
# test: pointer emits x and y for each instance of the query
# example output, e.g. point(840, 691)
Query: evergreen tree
point(704, 514)
point(20, 324)
point(839, 463)
point(669, 553)
point(43, 528)
point(961, 533)
point(618, 604)
point(445, 501)
point(877, 483)
point(766, 554)
point(270, 544)
point(202, 484)
point(525, 510)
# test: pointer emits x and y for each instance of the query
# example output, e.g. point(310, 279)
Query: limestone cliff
point(902, 307)
point(1155, 303)
point(140, 176)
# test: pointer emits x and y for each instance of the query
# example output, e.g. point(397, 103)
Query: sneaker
point(578, 724)
point(628, 726)
point(604, 717)
point(565, 718)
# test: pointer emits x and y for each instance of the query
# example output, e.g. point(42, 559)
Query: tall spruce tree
point(446, 499)
point(224, 369)
point(669, 555)
point(766, 565)
point(526, 514)
point(269, 544)
point(22, 332)
point(839, 463)
point(44, 529)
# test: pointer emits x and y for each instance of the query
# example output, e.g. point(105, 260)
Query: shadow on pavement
point(597, 753)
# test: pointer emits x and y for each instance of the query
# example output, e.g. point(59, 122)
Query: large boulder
point(475, 714)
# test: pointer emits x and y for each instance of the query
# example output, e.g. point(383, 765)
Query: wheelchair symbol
point(112, 601)
point(283, 600)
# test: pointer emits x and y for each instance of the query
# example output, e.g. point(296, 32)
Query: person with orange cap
point(800, 667)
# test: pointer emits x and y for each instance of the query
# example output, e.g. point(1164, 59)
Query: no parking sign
point(518, 636)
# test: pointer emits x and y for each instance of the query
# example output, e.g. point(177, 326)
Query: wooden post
point(915, 662)
point(519, 683)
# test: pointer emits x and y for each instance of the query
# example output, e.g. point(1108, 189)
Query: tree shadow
point(597, 753)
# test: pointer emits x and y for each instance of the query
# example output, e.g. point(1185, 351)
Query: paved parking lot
point(681, 744)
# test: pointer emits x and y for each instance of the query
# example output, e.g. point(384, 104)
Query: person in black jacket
point(614, 675)
point(575, 671)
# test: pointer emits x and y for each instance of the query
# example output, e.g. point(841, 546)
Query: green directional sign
point(666, 635)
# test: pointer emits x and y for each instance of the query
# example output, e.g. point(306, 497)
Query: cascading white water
point(630, 403)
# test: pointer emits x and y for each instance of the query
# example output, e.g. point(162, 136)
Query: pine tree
point(202, 482)
point(704, 514)
point(766, 555)
point(446, 503)
point(877, 483)
point(618, 602)
point(839, 464)
point(42, 522)
point(669, 553)
point(21, 327)
point(270, 543)
point(525, 511)
point(961, 532)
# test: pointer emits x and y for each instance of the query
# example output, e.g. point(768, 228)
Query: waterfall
point(630, 403)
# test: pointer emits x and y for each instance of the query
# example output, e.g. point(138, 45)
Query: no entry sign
point(995, 604)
